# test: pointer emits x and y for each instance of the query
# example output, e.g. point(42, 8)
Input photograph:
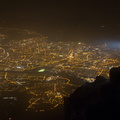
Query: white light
point(19, 67)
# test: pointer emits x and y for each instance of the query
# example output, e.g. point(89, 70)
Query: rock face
point(95, 101)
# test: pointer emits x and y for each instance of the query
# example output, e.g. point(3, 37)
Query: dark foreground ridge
point(99, 100)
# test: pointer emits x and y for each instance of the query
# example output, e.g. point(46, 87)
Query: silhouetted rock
point(99, 100)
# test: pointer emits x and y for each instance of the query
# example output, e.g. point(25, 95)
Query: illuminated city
point(56, 56)
point(48, 71)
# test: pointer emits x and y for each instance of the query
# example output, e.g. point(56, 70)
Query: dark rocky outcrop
point(99, 100)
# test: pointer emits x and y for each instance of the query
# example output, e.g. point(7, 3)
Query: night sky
point(66, 20)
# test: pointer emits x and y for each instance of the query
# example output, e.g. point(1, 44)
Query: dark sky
point(64, 19)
